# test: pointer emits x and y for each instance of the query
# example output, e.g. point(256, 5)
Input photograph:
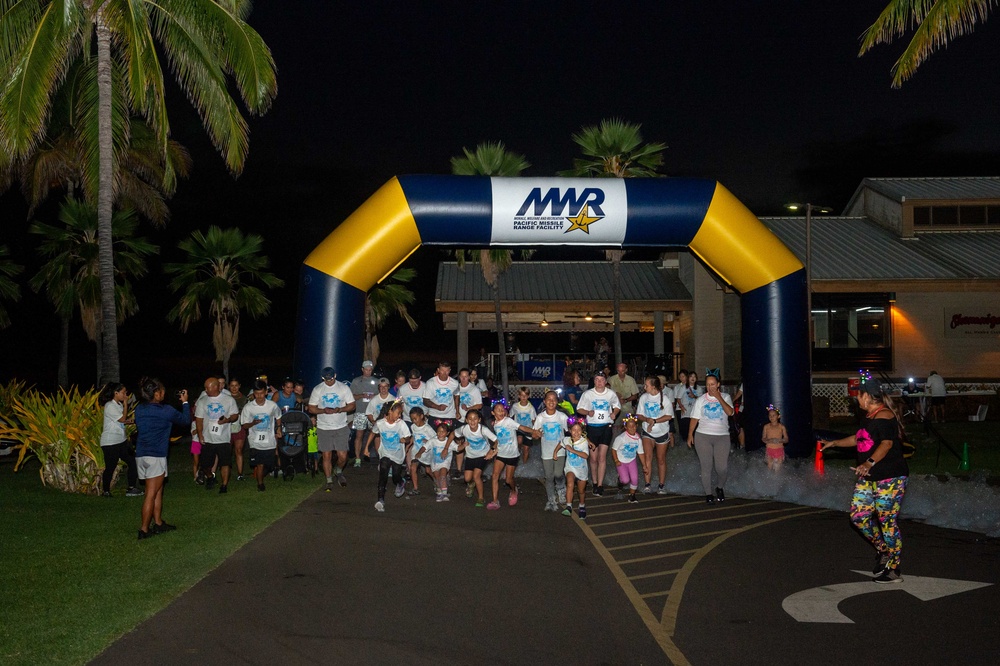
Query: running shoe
point(647, 489)
point(106, 493)
point(441, 498)
point(567, 511)
point(632, 499)
point(881, 564)
point(210, 482)
point(663, 491)
point(468, 490)
point(261, 487)
point(599, 491)
point(512, 500)
point(493, 506)
point(223, 490)
point(342, 480)
point(162, 528)
point(889, 576)
point(549, 505)
point(582, 511)
point(413, 491)
point(480, 504)
point(709, 499)
point(445, 498)
point(357, 463)
point(720, 496)
point(200, 478)
point(145, 535)
point(240, 477)
point(400, 489)
point(380, 506)
point(329, 487)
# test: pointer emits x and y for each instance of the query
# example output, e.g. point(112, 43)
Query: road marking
point(660, 556)
point(820, 604)
point(654, 575)
point(659, 541)
point(646, 505)
point(673, 515)
point(698, 522)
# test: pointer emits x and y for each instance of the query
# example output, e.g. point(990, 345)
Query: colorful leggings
point(875, 511)
point(628, 473)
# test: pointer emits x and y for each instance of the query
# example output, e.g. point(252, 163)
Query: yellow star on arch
point(582, 221)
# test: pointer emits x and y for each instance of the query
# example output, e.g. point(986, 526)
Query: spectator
point(153, 421)
point(938, 391)
point(114, 443)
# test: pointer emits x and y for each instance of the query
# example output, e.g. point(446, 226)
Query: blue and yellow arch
point(463, 211)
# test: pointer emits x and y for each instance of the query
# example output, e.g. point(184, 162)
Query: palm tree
point(9, 291)
point(220, 270)
point(205, 42)
point(614, 149)
point(389, 297)
point(71, 276)
point(936, 22)
point(492, 159)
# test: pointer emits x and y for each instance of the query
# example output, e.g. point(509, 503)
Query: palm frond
point(489, 159)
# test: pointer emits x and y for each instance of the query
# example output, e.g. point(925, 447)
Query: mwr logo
point(558, 202)
point(542, 371)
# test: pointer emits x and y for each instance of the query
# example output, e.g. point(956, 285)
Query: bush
point(62, 430)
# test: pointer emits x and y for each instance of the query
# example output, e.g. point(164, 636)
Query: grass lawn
point(75, 577)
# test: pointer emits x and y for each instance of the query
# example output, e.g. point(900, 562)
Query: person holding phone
point(154, 420)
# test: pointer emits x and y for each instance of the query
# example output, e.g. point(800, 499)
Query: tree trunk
point(500, 342)
point(616, 288)
point(110, 370)
point(62, 374)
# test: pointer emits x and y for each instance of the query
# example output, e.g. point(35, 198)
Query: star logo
point(582, 221)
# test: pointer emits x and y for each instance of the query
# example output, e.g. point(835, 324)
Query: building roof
point(547, 281)
point(856, 248)
point(931, 189)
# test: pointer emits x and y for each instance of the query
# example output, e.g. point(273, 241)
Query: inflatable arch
point(476, 212)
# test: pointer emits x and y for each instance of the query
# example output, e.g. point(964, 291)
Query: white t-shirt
point(602, 405)
point(936, 386)
point(261, 436)
point(439, 460)
point(323, 396)
point(627, 446)
point(441, 393)
point(506, 432)
point(650, 407)
point(391, 444)
point(712, 419)
point(524, 414)
point(481, 385)
point(553, 428)
point(210, 410)
point(574, 463)
point(411, 397)
point(469, 396)
point(114, 430)
point(477, 441)
point(687, 397)
point(375, 406)
point(422, 438)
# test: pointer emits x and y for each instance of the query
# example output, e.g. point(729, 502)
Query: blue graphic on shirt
point(265, 422)
point(391, 441)
point(420, 440)
point(443, 395)
point(439, 450)
point(551, 432)
point(601, 405)
point(630, 450)
point(476, 442)
point(523, 418)
point(413, 401)
point(505, 436)
point(215, 411)
point(713, 410)
point(574, 460)
point(330, 400)
point(466, 400)
point(652, 409)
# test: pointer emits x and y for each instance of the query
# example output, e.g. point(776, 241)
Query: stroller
point(292, 449)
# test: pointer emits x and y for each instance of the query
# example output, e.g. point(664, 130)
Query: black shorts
point(510, 462)
point(210, 451)
point(474, 463)
point(600, 435)
point(263, 457)
point(662, 439)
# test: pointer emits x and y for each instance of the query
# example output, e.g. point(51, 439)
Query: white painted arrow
point(819, 604)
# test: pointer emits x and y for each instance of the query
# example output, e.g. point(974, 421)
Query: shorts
point(511, 462)
point(210, 451)
point(238, 436)
point(361, 422)
point(581, 474)
point(332, 440)
point(150, 467)
point(263, 457)
point(474, 463)
point(776, 452)
point(445, 465)
point(662, 439)
point(600, 435)
point(195, 447)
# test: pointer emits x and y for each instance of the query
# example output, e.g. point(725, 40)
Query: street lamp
point(810, 209)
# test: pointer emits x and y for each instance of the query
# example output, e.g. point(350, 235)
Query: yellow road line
point(647, 506)
point(659, 541)
point(656, 594)
point(648, 502)
point(671, 515)
point(658, 557)
point(696, 522)
point(654, 575)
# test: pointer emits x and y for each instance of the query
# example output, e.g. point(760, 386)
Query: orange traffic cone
point(819, 458)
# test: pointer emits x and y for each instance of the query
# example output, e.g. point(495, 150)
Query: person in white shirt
point(477, 381)
point(936, 387)
point(709, 435)
point(213, 413)
point(601, 406)
point(114, 443)
point(441, 402)
point(686, 397)
point(524, 413)
point(469, 396)
point(550, 427)
point(441, 447)
point(578, 449)
point(507, 456)
point(625, 451)
point(372, 412)
point(420, 454)
point(411, 393)
point(655, 413)
point(394, 439)
point(331, 401)
point(479, 444)
point(261, 420)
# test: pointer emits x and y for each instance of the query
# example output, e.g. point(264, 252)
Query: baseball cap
point(329, 373)
point(600, 373)
point(384, 380)
point(367, 364)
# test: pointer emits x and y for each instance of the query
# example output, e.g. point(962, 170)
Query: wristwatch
point(870, 461)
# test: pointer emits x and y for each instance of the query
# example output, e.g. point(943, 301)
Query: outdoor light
point(544, 323)
point(588, 317)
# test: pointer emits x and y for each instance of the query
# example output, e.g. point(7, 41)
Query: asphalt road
point(670, 580)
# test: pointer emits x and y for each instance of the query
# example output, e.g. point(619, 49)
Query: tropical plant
point(389, 297)
point(615, 149)
point(492, 159)
point(205, 42)
point(64, 432)
point(934, 24)
point(9, 290)
point(71, 276)
point(220, 270)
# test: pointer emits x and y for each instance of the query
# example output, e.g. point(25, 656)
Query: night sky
point(768, 98)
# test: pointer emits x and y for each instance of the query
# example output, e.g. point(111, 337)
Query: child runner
point(655, 412)
point(372, 413)
point(506, 460)
point(577, 448)
point(479, 446)
point(196, 454)
point(550, 426)
point(419, 454)
point(625, 450)
point(394, 435)
point(441, 452)
point(524, 413)
point(774, 437)
point(261, 420)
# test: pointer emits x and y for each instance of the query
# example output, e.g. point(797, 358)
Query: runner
point(655, 412)
point(364, 388)
point(214, 412)
point(469, 396)
point(550, 426)
point(601, 406)
point(261, 419)
point(412, 394)
point(441, 401)
point(331, 401)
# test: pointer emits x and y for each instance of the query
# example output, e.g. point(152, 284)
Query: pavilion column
point(658, 333)
point(462, 335)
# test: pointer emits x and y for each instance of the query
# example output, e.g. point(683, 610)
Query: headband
point(713, 373)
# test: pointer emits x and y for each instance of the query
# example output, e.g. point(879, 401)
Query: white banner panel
point(559, 211)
